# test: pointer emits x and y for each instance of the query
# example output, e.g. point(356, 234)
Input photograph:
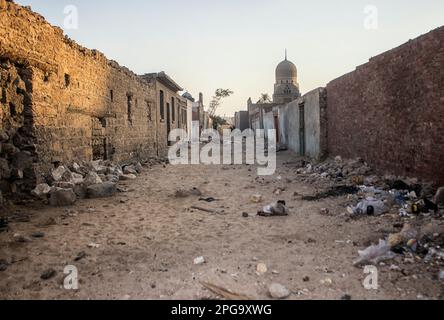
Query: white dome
point(286, 70)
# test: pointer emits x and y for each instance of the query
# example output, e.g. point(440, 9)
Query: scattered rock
point(199, 260)
point(62, 197)
point(256, 198)
point(103, 190)
point(325, 211)
point(327, 282)
point(346, 297)
point(57, 174)
point(278, 291)
point(125, 177)
point(48, 274)
point(129, 170)
point(138, 167)
point(261, 268)
point(21, 239)
point(306, 279)
point(439, 197)
point(91, 179)
point(94, 245)
point(245, 215)
point(41, 191)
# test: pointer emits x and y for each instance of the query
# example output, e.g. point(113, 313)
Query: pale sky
point(236, 44)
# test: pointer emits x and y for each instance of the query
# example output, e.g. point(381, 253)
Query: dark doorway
point(302, 129)
point(276, 126)
point(168, 121)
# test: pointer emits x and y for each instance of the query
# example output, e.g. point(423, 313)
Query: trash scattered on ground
point(225, 293)
point(48, 274)
point(94, 245)
point(278, 208)
point(278, 291)
point(20, 238)
point(199, 260)
point(324, 211)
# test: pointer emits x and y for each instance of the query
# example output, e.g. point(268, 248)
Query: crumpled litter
point(375, 254)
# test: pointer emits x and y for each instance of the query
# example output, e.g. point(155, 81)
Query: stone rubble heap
point(97, 179)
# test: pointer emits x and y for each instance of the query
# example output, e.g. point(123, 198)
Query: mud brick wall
point(82, 105)
point(390, 111)
point(17, 141)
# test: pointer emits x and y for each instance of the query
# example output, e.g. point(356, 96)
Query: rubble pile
point(418, 206)
point(96, 179)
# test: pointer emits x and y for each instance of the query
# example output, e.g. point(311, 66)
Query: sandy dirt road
point(148, 240)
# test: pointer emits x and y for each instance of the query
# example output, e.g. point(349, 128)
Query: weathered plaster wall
point(315, 123)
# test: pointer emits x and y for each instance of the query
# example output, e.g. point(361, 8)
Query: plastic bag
point(370, 207)
point(375, 254)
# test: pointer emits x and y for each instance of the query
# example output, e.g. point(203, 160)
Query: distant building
point(241, 120)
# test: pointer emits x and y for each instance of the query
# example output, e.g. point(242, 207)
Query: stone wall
point(69, 103)
point(390, 111)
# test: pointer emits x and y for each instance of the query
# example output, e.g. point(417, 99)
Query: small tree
point(218, 122)
point(217, 100)
point(265, 98)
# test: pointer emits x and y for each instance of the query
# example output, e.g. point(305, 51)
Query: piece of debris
point(48, 274)
point(102, 190)
point(256, 198)
point(261, 269)
point(346, 297)
point(38, 234)
point(94, 245)
point(41, 191)
point(306, 279)
point(209, 200)
point(3, 224)
point(438, 199)
point(370, 207)
point(375, 254)
point(245, 215)
point(325, 211)
point(278, 291)
point(278, 208)
point(188, 193)
point(21, 239)
point(334, 192)
point(62, 197)
point(225, 293)
point(3, 265)
point(199, 260)
point(326, 282)
point(80, 256)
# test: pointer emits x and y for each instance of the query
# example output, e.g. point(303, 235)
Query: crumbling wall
point(83, 105)
point(17, 140)
point(390, 111)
